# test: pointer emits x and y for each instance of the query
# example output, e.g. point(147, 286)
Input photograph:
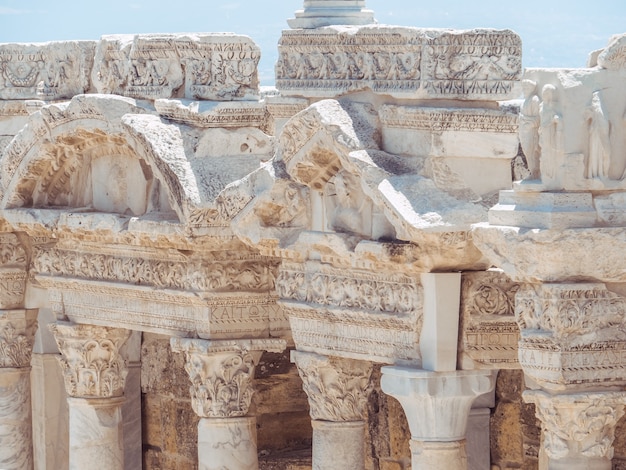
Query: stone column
point(337, 389)
point(17, 329)
point(221, 374)
point(319, 13)
point(578, 429)
point(95, 374)
point(437, 406)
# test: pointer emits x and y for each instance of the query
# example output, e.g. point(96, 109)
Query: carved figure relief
point(350, 210)
point(599, 156)
point(529, 127)
point(550, 133)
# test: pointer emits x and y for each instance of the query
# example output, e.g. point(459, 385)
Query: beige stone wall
point(170, 426)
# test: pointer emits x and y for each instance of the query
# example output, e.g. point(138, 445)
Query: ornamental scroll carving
point(17, 331)
point(476, 64)
point(332, 287)
point(579, 424)
point(199, 66)
point(92, 364)
point(197, 275)
point(337, 388)
point(565, 310)
point(222, 373)
point(48, 71)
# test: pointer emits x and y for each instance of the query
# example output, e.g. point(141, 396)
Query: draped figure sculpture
point(599, 156)
point(529, 127)
point(550, 133)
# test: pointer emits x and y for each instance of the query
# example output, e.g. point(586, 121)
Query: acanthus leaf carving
point(91, 361)
point(580, 424)
point(337, 388)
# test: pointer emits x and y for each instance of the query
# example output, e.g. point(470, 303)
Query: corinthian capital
point(337, 388)
point(578, 425)
point(17, 330)
point(222, 372)
point(90, 359)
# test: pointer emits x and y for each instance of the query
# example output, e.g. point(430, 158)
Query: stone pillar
point(17, 329)
point(578, 429)
point(221, 374)
point(437, 406)
point(95, 374)
point(337, 389)
point(319, 13)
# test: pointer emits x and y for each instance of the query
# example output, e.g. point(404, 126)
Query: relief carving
point(17, 331)
point(337, 388)
point(529, 127)
point(222, 373)
point(235, 275)
point(49, 71)
point(332, 287)
point(579, 424)
point(90, 359)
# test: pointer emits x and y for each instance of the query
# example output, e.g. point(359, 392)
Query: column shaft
point(227, 443)
point(431, 455)
point(16, 452)
point(96, 433)
point(338, 445)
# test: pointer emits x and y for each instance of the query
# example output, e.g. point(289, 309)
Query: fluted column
point(337, 390)
point(437, 406)
point(95, 374)
point(17, 329)
point(221, 374)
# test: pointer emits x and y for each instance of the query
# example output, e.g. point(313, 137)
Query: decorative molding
point(17, 332)
point(222, 372)
point(251, 275)
point(90, 359)
point(212, 115)
point(402, 62)
point(489, 334)
point(49, 71)
point(219, 67)
point(579, 425)
point(391, 293)
point(445, 119)
point(337, 388)
point(566, 310)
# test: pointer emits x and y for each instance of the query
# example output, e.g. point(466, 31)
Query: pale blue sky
point(554, 33)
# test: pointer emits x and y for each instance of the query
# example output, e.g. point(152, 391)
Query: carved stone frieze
point(445, 119)
point(580, 425)
point(90, 359)
point(219, 315)
point(489, 333)
point(206, 66)
point(222, 372)
point(49, 71)
point(214, 115)
point(324, 285)
point(17, 331)
point(402, 62)
point(147, 269)
point(571, 334)
point(337, 388)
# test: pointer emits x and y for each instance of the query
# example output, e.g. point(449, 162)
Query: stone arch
point(105, 153)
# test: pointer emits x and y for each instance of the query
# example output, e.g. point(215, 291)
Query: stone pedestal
point(437, 406)
point(578, 428)
point(95, 374)
point(337, 390)
point(16, 340)
point(318, 13)
point(221, 374)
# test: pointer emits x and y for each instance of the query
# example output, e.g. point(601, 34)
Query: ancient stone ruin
point(409, 254)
